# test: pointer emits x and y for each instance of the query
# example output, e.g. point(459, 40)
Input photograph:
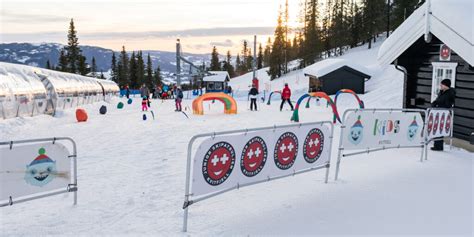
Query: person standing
point(145, 104)
point(286, 97)
point(179, 98)
point(253, 98)
point(144, 92)
point(445, 99)
point(127, 92)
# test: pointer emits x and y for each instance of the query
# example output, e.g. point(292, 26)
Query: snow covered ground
point(132, 176)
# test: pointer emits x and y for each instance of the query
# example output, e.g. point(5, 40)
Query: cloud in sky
point(225, 43)
point(15, 17)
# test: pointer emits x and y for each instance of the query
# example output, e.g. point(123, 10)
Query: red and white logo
point(441, 123)
point(436, 124)
point(313, 145)
point(218, 163)
point(286, 150)
point(430, 123)
point(254, 156)
point(444, 53)
point(448, 123)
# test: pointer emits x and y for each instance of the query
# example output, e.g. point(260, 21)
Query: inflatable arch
point(230, 106)
point(341, 91)
point(323, 95)
point(270, 96)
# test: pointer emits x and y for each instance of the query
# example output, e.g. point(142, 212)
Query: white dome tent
point(29, 91)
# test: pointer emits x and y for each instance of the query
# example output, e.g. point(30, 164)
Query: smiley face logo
point(286, 150)
point(218, 163)
point(430, 124)
point(436, 124)
point(254, 156)
point(448, 123)
point(313, 145)
point(441, 123)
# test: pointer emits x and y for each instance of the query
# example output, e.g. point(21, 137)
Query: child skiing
point(179, 98)
point(286, 97)
point(145, 104)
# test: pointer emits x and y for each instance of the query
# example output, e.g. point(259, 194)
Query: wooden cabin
point(436, 42)
point(332, 75)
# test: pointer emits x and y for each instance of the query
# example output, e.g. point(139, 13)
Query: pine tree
point(157, 77)
point(277, 57)
point(312, 43)
point(74, 53)
point(372, 19)
point(140, 74)
point(94, 68)
point(63, 64)
point(133, 71)
point(266, 53)
point(48, 65)
point(149, 72)
point(114, 70)
point(123, 68)
point(102, 75)
point(402, 9)
point(215, 64)
point(260, 57)
point(238, 65)
point(228, 65)
point(249, 61)
point(245, 53)
point(82, 66)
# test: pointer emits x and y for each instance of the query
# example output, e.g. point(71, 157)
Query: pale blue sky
point(143, 24)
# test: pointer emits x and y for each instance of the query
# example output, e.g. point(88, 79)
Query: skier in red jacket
point(286, 96)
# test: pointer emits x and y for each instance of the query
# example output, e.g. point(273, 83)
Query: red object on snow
point(255, 83)
point(81, 115)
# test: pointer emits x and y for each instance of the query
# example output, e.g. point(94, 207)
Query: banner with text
point(368, 129)
point(229, 161)
point(439, 123)
point(33, 168)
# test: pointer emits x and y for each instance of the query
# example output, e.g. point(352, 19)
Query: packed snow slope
point(132, 176)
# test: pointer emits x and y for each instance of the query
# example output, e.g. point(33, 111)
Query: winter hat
point(42, 158)
point(414, 123)
point(446, 82)
point(357, 123)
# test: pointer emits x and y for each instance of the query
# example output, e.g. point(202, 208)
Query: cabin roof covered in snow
point(217, 76)
point(327, 66)
point(450, 21)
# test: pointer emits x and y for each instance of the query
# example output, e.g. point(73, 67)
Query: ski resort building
point(29, 91)
point(332, 75)
point(436, 42)
point(217, 81)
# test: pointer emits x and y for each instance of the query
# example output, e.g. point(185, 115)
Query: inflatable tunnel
point(270, 96)
point(230, 106)
point(342, 91)
point(323, 95)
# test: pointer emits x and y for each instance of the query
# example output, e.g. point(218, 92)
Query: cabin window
point(442, 71)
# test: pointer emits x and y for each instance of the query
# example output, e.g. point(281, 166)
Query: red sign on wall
point(444, 53)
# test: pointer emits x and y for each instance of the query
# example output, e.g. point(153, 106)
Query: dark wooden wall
point(417, 60)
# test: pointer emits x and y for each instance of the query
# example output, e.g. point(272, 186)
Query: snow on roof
point(450, 21)
point(326, 66)
point(217, 76)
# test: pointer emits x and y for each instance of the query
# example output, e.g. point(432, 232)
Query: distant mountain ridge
point(38, 54)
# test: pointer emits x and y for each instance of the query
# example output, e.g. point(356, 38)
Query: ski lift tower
point(179, 58)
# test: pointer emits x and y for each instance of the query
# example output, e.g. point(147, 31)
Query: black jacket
point(253, 91)
point(445, 99)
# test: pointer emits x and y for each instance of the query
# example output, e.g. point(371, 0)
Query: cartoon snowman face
point(41, 171)
point(254, 156)
point(218, 163)
point(313, 145)
point(412, 130)
point(356, 132)
point(286, 150)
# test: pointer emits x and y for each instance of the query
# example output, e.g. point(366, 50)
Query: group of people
point(285, 97)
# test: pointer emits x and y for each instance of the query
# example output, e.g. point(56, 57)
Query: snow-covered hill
point(132, 176)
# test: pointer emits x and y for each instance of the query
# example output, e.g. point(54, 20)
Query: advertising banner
point(369, 129)
point(28, 169)
point(439, 123)
point(229, 161)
